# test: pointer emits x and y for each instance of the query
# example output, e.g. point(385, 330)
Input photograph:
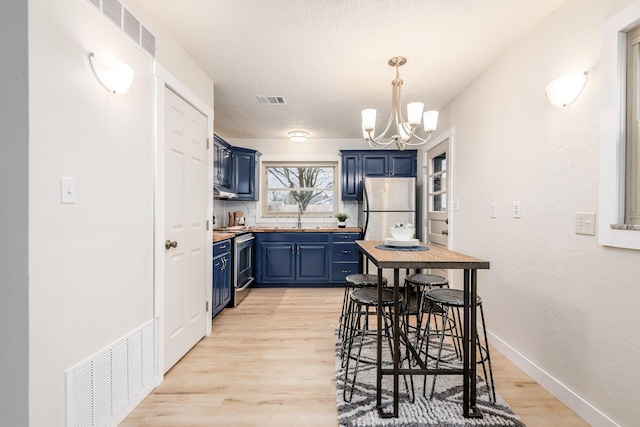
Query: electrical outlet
point(494, 210)
point(517, 209)
point(586, 223)
point(455, 205)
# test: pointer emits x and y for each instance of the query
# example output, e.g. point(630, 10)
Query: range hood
point(220, 193)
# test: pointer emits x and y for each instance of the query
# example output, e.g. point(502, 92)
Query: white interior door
point(436, 189)
point(185, 227)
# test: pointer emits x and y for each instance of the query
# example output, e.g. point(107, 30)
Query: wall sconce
point(113, 74)
point(564, 90)
point(298, 136)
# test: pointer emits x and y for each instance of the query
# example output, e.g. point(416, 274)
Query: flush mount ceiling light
point(113, 74)
point(298, 136)
point(405, 130)
point(564, 90)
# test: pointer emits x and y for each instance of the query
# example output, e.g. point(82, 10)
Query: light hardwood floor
point(269, 362)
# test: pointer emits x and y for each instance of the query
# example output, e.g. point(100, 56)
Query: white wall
point(559, 304)
point(14, 170)
point(90, 263)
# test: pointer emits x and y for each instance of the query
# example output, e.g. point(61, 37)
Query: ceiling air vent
point(271, 100)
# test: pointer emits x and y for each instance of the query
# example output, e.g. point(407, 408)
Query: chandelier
point(405, 130)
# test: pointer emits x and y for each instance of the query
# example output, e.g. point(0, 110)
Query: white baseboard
point(577, 404)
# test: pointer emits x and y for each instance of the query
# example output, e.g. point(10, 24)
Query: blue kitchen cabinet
point(277, 262)
point(235, 169)
point(391, 164)
point(289, 258)
point(357, 164)
point(351, 176)
point(221, 294)
point(222, 163)
point(306, 258)
point(345, 256)
point(245, 173)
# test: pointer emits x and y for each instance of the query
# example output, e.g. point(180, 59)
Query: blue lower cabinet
point(276, 262)
point(345, 256)
point(305, 258)
point(221, 293)
point(285, 258)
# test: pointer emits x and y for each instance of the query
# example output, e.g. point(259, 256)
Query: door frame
point(162, 79)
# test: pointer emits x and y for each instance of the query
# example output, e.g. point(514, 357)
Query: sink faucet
point(299, 215)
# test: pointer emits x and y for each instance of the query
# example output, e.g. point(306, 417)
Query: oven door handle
point(246, 285)
point(243, 239)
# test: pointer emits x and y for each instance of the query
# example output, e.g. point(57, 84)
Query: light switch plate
point(494, 210)
point(455, 205)
point(67, 190)
point(586, 223)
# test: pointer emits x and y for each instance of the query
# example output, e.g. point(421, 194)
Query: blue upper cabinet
point(351, 176)
point(235, 169)
point(245, 173)
point(222, 157)
point(403, 164)
point(357, 164)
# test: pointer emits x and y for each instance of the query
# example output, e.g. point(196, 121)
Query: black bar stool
point(452, 300)
point(422, 282)
point(363, 303)
point(356, 281)
point(416, 285)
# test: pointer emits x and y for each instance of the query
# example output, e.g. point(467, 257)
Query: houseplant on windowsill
point(342, 217)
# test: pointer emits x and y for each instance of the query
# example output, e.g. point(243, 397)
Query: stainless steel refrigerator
point(386, 202)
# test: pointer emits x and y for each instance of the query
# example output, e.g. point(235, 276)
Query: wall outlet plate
point(586, 223)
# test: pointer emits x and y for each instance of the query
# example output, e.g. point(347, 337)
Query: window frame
point(613, 39)
point(265, 189)
point(632, 211)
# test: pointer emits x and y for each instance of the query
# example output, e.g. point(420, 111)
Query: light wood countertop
point(220, 236)
point(435, 257)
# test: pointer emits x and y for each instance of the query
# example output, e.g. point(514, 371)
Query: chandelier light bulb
point(430, 120)
point(414, 112)
point(369, 119)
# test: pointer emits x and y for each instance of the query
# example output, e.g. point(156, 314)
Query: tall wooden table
point(433, 258)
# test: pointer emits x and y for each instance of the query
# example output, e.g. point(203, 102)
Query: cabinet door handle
point(346, 252)
point(345, 237)
point(346, 271)
point(293, 249)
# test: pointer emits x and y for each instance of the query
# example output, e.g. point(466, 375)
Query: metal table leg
point(470, 409)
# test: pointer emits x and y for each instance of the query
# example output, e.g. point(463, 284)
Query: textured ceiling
point(328, 58)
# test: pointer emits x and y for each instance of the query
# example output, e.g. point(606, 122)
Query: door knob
point(445, 232)
point(169, 244)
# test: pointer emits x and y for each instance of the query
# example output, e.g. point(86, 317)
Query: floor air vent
point(98, 389)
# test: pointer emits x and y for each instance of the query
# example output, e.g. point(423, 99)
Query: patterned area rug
point(443, 410)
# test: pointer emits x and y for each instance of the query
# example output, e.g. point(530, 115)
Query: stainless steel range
point(243, 275)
